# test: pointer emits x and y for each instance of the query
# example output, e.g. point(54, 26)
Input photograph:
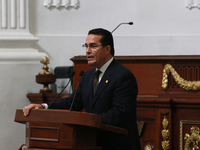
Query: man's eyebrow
point(90, 43)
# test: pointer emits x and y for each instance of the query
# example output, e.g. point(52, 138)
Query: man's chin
point(90, 63)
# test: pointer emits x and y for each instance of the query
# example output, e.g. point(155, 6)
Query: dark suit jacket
point(115, 100)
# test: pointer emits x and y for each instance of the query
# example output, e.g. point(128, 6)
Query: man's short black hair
point(107, 38)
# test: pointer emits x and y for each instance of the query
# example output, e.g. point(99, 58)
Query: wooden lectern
point(48, 129)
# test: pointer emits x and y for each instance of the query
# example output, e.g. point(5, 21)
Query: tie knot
point(98, 72)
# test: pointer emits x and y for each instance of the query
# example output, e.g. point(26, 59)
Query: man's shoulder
point(121, 68)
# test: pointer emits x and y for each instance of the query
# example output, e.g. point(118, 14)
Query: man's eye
point(92, 46)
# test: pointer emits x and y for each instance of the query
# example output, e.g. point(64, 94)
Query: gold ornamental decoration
point(187, 85)
point(45, 77)
point(147, 147)
point(140, 127)
point(193, 139)
point(182, 124)
point(165, 134)
point(45, 62)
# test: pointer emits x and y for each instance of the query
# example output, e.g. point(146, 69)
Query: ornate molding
point(62, 3)
point(193, 139)
point(187, 85)
point(140, 127)
point(148, 147)
point(165, 134)
point(190, 4)
point(15, 38)
point(10, 14)
point(186, 122)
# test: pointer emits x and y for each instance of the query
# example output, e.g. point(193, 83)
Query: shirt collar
point(105, 66)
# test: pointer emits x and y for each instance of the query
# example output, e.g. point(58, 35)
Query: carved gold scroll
point(186, 85)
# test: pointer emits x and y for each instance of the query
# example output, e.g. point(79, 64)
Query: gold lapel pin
point(106, 81)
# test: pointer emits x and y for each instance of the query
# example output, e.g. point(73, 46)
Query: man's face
point(96, 53)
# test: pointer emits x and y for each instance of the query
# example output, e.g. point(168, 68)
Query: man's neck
point(105, 66)
point(106, 60)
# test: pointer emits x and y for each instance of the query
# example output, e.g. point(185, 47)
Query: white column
point(22, 14)
point(4, 14)
point(12, 14)
point(15, 38)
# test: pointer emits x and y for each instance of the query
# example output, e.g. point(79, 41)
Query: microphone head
point(130, 23)
point(81, 73)
point(72, 74)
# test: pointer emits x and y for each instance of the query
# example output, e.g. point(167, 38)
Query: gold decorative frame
point(182, 122)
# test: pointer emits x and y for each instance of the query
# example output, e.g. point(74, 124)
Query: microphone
point(130, 23)
point(71, 76)
point(80, 76)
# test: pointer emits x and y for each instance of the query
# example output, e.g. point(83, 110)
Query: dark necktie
point(96, 80)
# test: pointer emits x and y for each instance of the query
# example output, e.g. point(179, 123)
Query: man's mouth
point(89, 58)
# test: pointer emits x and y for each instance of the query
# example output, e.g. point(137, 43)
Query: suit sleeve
point(66, 103)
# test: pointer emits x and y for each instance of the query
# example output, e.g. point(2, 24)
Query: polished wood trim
point(84, 148)
point(144, 59)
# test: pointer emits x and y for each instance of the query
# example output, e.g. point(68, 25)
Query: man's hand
point(27, 109)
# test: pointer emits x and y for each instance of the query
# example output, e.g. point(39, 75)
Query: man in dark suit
point(114, 97)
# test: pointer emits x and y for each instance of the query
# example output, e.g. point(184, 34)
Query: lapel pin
point(106, 81)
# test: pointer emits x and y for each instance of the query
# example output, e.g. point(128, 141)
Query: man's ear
point(108, 49)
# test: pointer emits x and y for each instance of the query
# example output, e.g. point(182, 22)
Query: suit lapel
point(90, 88)
point(107, 77)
